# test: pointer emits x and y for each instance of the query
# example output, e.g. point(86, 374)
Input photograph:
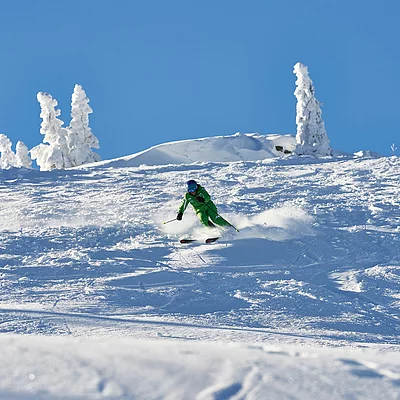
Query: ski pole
point(167, 222)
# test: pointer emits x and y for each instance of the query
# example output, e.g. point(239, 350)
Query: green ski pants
point(210, 213)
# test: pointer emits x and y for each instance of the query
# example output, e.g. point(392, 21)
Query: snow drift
point(238, 147)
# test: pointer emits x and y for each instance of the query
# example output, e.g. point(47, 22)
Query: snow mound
point(367, 154)
point(237, 147)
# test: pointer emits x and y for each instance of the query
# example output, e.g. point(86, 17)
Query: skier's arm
point(183, 205)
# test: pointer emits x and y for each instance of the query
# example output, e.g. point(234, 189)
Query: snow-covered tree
point(55, 154)
point(81, 138)
point(22, 156)
point(7, 158)
point(393, 148)
point(311, 134)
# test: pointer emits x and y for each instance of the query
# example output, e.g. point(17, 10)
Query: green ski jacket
point(197, 205)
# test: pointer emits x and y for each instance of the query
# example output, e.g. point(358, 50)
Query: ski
point(187, 240)
point(208, 240)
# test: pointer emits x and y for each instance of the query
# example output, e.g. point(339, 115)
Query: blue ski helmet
point(192, 186)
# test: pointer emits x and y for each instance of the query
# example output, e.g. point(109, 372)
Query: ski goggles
point(192, 188)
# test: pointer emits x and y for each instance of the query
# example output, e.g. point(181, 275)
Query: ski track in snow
point(84, 253)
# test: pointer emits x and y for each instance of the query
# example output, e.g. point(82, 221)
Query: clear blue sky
point(158, 71)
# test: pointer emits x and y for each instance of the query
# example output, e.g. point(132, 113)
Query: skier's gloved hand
point(179, 216)
point(200, 199)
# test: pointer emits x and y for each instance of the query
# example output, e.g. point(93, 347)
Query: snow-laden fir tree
point(7, 158)
point(311, 134)
point(81, 138)
point(55, 154)
point(22, 156)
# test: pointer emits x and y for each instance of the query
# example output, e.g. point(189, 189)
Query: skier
point(205, 209)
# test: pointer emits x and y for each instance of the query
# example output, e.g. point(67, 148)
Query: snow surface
point(99, 300)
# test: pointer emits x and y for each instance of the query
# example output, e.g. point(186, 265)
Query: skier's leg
point(218, 220)
point(203, 217)
point(214, 216)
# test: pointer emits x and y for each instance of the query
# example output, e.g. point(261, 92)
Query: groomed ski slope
point(302, 303)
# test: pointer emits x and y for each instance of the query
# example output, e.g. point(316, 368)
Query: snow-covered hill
point(85, 256)
point(238, 147)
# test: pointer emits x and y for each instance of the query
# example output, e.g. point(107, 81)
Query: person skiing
point(206, 210)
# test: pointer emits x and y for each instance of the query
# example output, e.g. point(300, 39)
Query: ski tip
point(211, 240)
point(183, 241)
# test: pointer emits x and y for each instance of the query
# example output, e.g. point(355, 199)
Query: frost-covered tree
point(311, 134)
point(55, 154)
point(393, 148)
point(7, 159)
point(22, 156)
point(81, 138)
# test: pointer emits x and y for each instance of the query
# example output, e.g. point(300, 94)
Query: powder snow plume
point(283, 223)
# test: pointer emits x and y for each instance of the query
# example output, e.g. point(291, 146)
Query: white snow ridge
point(99, 300)
point(238, 147)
